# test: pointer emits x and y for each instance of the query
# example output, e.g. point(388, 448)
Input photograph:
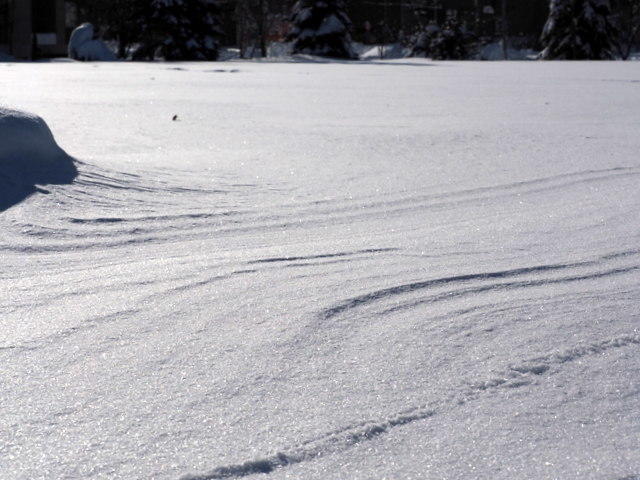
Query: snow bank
point(83, 46)
point(29, 156)
point(390, 51)
point(279, 49)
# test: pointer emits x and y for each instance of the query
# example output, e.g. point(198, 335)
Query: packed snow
point(298, 270)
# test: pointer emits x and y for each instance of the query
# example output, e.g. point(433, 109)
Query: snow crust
point(83, 46)
point(29, 156)
point(400, 269)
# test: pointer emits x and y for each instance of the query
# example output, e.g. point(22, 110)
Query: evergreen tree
point(579, 30)
point(627, 20)
point(450, 43)
point(321, 27)
point(420, 41)
point(182, 30)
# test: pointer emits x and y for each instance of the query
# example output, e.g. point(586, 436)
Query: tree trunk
point(504, 31)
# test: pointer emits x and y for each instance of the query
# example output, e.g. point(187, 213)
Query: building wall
point(5, 25)
point(21, 40)
point(33, 28)
point(49, 27)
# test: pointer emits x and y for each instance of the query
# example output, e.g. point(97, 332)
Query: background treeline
point(435, 28)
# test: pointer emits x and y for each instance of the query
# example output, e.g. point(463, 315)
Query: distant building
point(33, 28)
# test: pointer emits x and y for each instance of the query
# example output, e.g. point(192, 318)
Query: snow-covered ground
point(325, 271)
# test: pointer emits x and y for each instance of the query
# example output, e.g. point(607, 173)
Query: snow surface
point(401, 269)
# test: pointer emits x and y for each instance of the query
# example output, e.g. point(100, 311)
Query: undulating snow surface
point(326, 271)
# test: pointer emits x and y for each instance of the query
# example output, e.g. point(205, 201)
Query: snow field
point(396, 269)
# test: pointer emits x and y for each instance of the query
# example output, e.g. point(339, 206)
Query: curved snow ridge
point(158, 218)
point(332, 442)
point(50, 338)
point(29, 156)
point(449, 295)
point(466, 282)
point(321, 256)
point(157, 189)
point(343, 210)
point(515, 376)
point(403, 203)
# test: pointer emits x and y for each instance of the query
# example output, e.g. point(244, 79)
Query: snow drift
point(29, 156)
point(83, 46)
point(397, 269)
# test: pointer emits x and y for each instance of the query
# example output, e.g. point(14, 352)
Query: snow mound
point(29, 156)
point(83, 46)
point(377, 52)
point(279, 49)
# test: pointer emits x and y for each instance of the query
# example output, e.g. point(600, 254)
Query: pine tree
point(183, 30)
point(627, 20)
point(579, 30)
point(321, 27)
point(450, 43)
point(420, 41)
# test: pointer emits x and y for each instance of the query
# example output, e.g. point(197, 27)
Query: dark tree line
point(442, 29)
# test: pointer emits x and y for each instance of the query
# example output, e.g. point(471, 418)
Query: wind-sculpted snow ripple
point(132, 208)
point(175, 205)
point(476, 283)
point(517, 375)
point(322, 256)
point(367, 206)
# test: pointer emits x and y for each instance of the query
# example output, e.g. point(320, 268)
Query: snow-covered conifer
point(450, 43)
point(420, 41)
point(184, 29)
point(579, 30)
point(321, 27)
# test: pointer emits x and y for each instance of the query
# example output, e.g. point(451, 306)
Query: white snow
point(389, 51)
point(29, 156)
point(83, 45)
point(400, 269)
